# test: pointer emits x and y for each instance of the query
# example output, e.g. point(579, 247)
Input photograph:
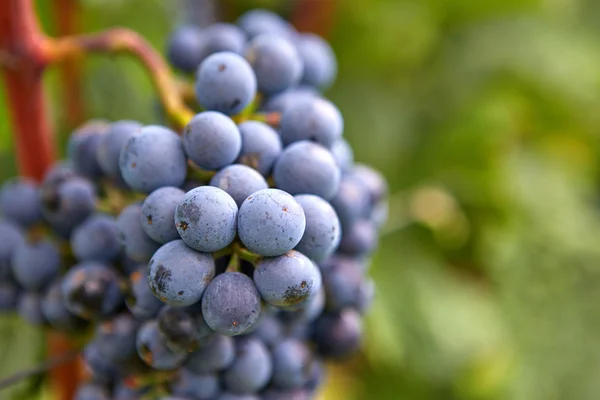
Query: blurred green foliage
point(483, 115)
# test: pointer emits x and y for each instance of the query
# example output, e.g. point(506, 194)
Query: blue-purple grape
point(320, 65)
point(186, 47)
point(225, 82)
point(342, 282)
point(158, 214)
point(261, 146)
point(20, 202)
point(323, 231)
point(271, 222)
point(206, 219)
point(141, 302)
point(314, 119)
point(184, 330)
point(178, 275)
point(343, 154)
point(35, 264)
point(67, 201)
point(214, 356)
point(287, 280)
point(268, 330)
point(9, 295)
point(153, 350)
point(251, 370)
point(11, 237)
point(92, 290)
point(372, 180)
point(239, 181)
point(351, 202)
point(359, 239)
point(92, 391)
point(338, 335)
point(200, 387)
point(284, 100)
point(136, 243)
point(96, 239)
point(221, 37)
point(29, 307)
point(231, 304)
point(291, 364)
point(307, 168)
point(257, 21)
point(55, 311)
point(275, 61)
point(153, 158)
point(83, 146)
point(234, 396)
point(116, 338)
point(212, 140)
point(111, 143)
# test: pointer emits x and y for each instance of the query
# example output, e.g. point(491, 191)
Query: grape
point(116, 338)
point(343, 154)
point(206, 219)
point(251, 370)
point(275, 61)
point(55, 310)
point(225, 82)
point(153, 158)
point(101, 369)
point(287, 280)
point(359, 239)
point(186, 48)
point(29, 307)
point(338, 335)
point(20, 202)
point(152, 348)
point(257, 21)
point(313, 119)
point(92, 391)
point(83, 146)
point(212, 140)
point(201, 387)
point(184, 330)
point(34, 264)
point(342, 281)
point(320, 65)
point(323, 232)
point(271, 222)
point(307, 168)
point(351, 202)
point(96, 239)
point(92, 290)
point(308, 311)
point(292, 394)
point(9, 294)
point(366, 294)
point(158, 214)
point(233, 396)
point(374, 182)
point(11, 238)
point(284, 100)
point(142, 303)
point(112, 142)
point(269, 330)
point(261, 146)
point(67, 201)
point(178, 275)
point(213, 356)
point(379, 214)
point(239, 181)
point(221, 37)
point(317, 376)
point(231, 304)
point(137, 245)
point(291, 364)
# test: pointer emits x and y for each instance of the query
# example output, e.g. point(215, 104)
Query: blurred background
point(485, 118)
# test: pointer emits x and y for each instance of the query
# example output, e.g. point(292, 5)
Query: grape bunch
point(225, 262)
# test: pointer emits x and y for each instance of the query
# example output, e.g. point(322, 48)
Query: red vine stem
point(120, 40)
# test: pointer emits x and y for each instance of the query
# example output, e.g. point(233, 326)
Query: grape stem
point(246, 254)
point(234, 263)
point(195, 172)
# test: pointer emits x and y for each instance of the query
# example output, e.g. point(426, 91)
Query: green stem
point(234, 263)
point(198, 173)
point(247, 255)
point(223, 252)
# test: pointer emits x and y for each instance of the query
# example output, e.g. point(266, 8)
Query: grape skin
point(153, 158)
point(68, 202)
point(152, 348)
point(9, 294)
point(251, 370)
point(83, 146)
point(221, 37)
point(35, 264)
point(214, 356)
point(11, 237)
point(239, 181)
point(307, 168)
point(29, 307)
point(351, 202)
point(142, 303)
point(261, 146)
point(178, 275)
point(287, 280)
point(111, 143)
point(360, 239)
point(271, 222)
point(206, 219)
point(137, 245)
point(323, 230)
point(225, 82)
point(257, 21)
point(201, 387)
point(291, 364)
point(338, 335)
point(231, 304)
point(158, 214)
point(183, 328)
point(320, 64)
point(212, 140)
point(116, 338)
point(55, 310)
point(275, 61)
point(343, 154)
point(185, 48)
point(96, 239)
point(313, 119)
point(20, 202)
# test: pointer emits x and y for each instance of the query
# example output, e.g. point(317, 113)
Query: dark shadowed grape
point(252, 368)
point(153, 350)
point(20, 202)
point(213, 356)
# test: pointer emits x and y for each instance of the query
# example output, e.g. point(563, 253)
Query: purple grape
point(201, 387)
point(158, 214)
point(291, 364)
point(338, 335)
point(323, 231)
point(11, 237)
point(239, 181)
point(29, 307)
point(96, 239)
point(83, 146)
point(35, 264)
point(213, 356)
point(153, 350)
point(20, 202)
point(112, 142)
point(141, 302)
point(186, 47)
point(261, 146)
point(137, 245)
point(320, 65)
point(251, 370)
